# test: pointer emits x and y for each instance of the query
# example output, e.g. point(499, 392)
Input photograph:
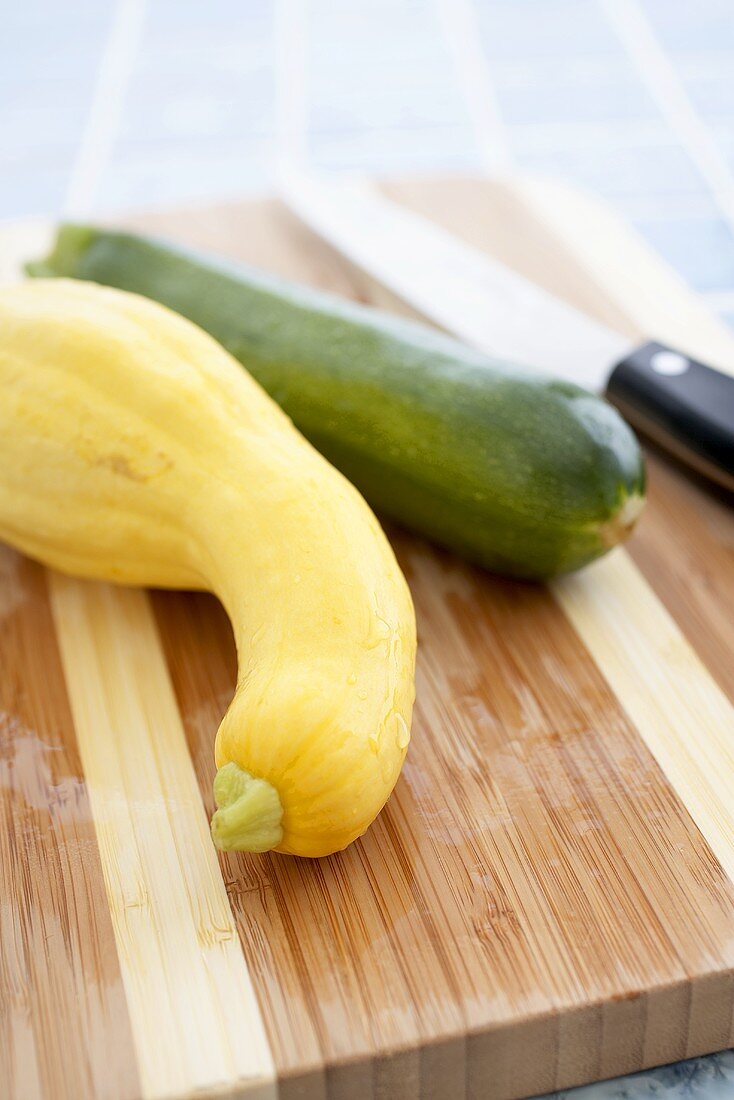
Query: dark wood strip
point(696, 583)
point(64, 1027)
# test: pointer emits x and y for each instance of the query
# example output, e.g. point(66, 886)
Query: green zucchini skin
point(527, 476)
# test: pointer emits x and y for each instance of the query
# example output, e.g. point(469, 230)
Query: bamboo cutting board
point(548, 898)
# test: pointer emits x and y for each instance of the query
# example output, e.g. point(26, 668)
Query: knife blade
point(684, 405)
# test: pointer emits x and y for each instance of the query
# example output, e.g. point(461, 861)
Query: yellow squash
point(133, 448)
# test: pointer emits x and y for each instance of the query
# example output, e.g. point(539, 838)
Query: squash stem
point(249, 815)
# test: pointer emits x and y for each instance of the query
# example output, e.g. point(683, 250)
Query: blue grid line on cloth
point(198, 118)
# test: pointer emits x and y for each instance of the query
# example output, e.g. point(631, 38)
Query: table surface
point(113, 104)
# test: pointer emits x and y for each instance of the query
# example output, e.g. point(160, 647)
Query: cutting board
point(548, 898)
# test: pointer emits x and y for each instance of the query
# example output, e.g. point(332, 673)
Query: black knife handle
point(682, 404)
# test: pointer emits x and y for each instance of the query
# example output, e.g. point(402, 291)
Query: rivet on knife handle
point(681, 403)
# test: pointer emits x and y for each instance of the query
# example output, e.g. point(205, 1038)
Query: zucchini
point(523, 474)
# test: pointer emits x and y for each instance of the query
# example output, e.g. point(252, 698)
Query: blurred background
point(117, 104)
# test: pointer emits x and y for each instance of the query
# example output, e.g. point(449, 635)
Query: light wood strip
point(199, 649)
point(64, 1027)
point(195, 1019)
point(685, 718)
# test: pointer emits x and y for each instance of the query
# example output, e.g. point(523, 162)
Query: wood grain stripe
point(195, 1019)
point(696, 583)
point(64, 1026)
point(683, 715)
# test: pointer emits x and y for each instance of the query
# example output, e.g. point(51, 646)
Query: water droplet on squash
point(351, 678)
point(379, 632)
point(403, 732)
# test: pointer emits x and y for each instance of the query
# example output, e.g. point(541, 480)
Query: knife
point(682, 404)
